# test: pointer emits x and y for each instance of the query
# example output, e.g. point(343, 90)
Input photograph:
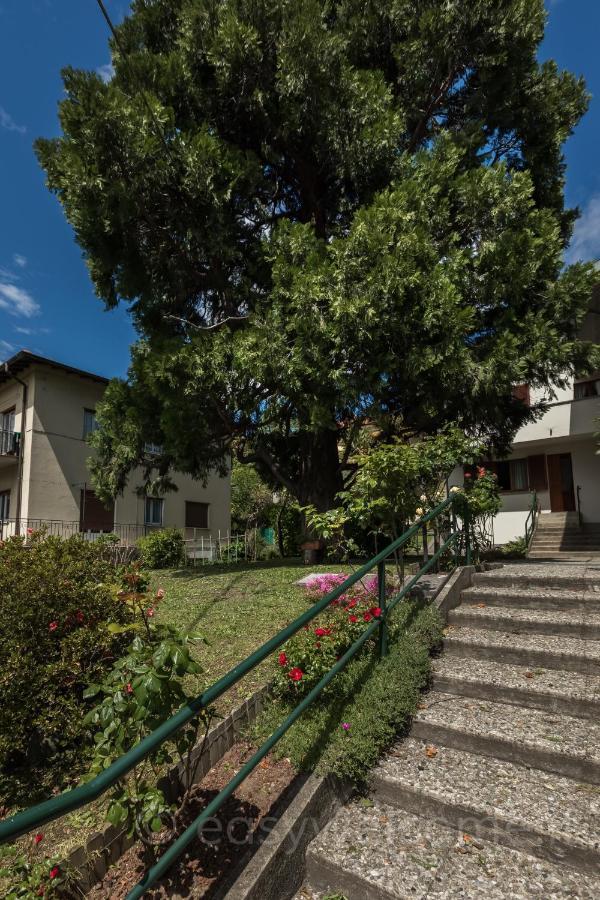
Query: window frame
point(153, 500)
point(5, 505)
point(584, 384)
point(92, 412)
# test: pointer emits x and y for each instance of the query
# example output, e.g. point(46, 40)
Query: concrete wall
point(55, 459)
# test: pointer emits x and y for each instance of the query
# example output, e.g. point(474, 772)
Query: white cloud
point(19, 260)
point(106, 72)
point(6, 349)
point(585, 243)
point(17, 301)
point(7, 122)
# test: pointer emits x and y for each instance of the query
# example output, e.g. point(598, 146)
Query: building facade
point(47, 412)
point(557, 456)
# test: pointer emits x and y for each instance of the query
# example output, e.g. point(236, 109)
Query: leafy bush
point(162, 549)
point(57, 598)
point(516, 549)
point(366, 705)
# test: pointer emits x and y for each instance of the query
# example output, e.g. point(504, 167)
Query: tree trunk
point(320, 482)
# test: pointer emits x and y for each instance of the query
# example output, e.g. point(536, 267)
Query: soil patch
point(211, 860)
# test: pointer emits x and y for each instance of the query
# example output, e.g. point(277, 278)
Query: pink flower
point(296, 674)
point(322, 632)
point(346, 726)
point(150, 612)
point(283, 659)
point(52, 626)
point(128, 688)
point(38, 838)
point(468, 475)
point(54, 872)
point(160, 593)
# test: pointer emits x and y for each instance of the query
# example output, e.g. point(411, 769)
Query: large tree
point(322, 213)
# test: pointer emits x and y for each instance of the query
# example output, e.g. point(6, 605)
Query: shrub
point(366, 705)
point(162, 549)
point(57, 598)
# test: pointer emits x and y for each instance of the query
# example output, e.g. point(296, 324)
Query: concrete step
point(380, 852)
point(548, 651)
point(565, 555)
point(552, 690)
point(568, 539)
point(514, 598)
point(554, 742)
point(580, 623)
point(546, 815)
point(541, 576)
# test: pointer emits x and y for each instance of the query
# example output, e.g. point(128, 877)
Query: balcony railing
point(10, 442)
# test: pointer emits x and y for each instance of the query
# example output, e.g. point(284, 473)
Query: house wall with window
point(56, 484)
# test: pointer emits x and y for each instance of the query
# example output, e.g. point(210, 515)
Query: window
point(7, 432)
point(90, 423)
point(4, 504)
point(521, 392)
point(153, 512)
point(151, 449)
point(196, 515)
point(513, 474)
point(585, 389)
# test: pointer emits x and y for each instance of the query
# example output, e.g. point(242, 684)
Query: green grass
point(237, 608)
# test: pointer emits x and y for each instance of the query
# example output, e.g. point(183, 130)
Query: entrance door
point(93, 515)
point(560, 477)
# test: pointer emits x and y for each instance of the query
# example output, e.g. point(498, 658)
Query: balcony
point(10, 444)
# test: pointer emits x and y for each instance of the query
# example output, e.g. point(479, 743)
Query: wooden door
point(93, 515)
point(560, 478)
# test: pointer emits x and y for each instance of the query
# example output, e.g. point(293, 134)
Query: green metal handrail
point(38, 815)
point(531, 519)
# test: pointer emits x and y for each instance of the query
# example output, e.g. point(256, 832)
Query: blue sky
point(47, 303)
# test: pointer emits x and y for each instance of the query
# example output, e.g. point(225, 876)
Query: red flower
point(52, 626)
point(282, 659)
point(352, 604)
point(318, 645)
point(54, 872)
point(322, 632)
point(296, 674)
point(30, 531)
point(128, 688)
point(335, 602)
point(150, 612)
point(80, 617)
point(376, 611)
point(41, 891)
point(367, 617)
point(160, 593)
point(38, 838)
point(353, 618)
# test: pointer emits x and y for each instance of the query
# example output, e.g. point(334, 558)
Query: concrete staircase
point(496, 792)
point(559, 534)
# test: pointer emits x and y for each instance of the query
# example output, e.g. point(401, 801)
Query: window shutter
point(521, 392)
point(538, 480)
point(196, 515)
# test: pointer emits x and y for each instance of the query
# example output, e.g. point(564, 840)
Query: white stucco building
point(557, 455)
point(47, 411)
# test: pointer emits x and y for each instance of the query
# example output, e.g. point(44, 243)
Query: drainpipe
point(21, 446)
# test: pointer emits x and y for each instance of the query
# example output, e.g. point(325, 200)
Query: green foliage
point(162, 549)
point(396, 482)
point(516, 549)
point(58, 596)
point(251, 498)
point(143, 689)
point(376, 699)
point(360, 217)
point(27, 873)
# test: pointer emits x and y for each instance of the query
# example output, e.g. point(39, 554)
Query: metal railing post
point(466, 527)
point(382, 597)
point(454, 530)
point(425, 544)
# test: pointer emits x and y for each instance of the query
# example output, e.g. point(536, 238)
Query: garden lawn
point(237, 608)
